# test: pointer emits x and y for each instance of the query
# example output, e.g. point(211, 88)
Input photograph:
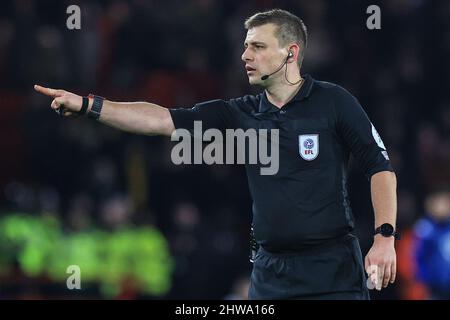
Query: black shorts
point(333, 270)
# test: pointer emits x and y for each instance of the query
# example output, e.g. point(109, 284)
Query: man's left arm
point(380, 261)
point(363, 140)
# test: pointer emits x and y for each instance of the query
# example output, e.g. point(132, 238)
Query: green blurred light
point(109, 259)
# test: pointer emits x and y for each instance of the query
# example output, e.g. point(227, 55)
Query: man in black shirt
point(301, 214)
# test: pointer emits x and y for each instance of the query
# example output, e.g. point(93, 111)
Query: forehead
point(264, 33)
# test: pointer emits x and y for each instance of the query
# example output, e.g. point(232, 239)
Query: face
point(438, 205)
point(262, 54)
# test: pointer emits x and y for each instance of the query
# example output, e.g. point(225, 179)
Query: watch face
point(387, 229)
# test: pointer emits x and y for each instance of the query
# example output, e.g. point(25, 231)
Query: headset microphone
point(265, 77)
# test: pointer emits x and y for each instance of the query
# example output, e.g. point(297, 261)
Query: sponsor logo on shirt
point(379, 142)
point(308, 146)
point(377, 138)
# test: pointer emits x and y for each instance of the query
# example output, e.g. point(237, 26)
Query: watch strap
point(84, 106)
point(394, 233)
point(96, 108)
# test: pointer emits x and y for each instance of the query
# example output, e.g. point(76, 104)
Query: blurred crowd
point(176, 53)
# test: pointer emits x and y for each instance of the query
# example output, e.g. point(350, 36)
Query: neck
point(282, 92)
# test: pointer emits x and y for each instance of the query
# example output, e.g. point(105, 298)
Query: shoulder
point(342, 102)
point(247, 103)
point(332, 89)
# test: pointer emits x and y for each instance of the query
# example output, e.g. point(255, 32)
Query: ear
point(293, 52)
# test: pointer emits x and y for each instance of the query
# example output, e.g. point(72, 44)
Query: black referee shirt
point(306, 202)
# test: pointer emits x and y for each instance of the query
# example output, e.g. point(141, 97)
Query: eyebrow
point(254, 43)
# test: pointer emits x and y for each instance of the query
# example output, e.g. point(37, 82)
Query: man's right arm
point(135, 117)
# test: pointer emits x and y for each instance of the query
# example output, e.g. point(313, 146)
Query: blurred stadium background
point(73, 192)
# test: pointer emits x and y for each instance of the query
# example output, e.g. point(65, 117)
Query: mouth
point(249, 69)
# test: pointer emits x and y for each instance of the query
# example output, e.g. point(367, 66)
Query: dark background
point(177, 53)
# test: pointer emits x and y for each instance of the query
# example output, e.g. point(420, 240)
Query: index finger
point(48, 91)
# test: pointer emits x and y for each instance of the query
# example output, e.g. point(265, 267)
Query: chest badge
point(308, 146)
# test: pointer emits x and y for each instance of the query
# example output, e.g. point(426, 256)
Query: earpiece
point(290, 55)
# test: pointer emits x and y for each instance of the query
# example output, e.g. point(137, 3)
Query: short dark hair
point(290, 28)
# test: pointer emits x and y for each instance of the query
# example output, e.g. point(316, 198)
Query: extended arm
point(135, 117)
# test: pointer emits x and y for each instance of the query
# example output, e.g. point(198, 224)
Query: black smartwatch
point(387, 230)
point(96, 108)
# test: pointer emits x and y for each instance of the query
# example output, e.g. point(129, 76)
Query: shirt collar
point(266, 106)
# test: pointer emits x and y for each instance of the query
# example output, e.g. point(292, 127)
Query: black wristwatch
point(96, 108)
point(387, 230)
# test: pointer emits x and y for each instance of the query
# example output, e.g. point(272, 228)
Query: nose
point(245, 55)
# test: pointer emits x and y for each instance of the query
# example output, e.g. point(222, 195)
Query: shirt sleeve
point(215, 114)
point(359, 134)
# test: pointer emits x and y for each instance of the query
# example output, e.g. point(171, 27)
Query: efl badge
point(308, 146)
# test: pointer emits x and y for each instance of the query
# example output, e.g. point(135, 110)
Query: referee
point(302, 219)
